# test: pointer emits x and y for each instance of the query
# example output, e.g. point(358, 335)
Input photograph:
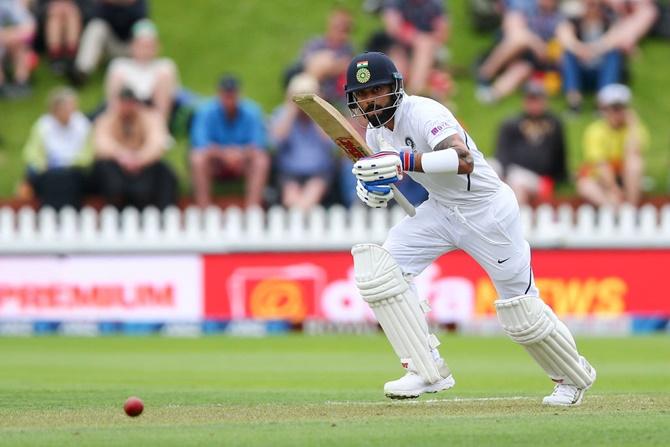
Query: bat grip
point(397, 195)
point(403, 202)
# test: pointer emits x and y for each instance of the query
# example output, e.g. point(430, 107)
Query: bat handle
point(403, 202)
point(397, 195)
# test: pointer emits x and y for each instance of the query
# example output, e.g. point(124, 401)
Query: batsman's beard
point(381, 118)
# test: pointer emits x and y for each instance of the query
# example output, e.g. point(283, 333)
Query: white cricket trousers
point(489, 230)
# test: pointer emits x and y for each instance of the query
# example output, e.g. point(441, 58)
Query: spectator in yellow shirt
point(613, 146)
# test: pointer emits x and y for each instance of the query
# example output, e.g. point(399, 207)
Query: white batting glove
point(385, 165)
point(373, 199)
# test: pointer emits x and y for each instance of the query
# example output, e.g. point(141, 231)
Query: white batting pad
point(531, 323)
point(382, 285)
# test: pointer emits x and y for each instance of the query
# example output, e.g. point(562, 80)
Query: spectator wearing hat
point(58, 152)
point(17, 28)
point(305, 161)
point(613, 147)
point(129, 141)
point(154, 79)
point(228, 140)
point(530, 151)
point(590, 58)
point(108, 33)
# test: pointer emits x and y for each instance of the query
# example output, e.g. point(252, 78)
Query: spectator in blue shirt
point(228, 140)
point(305, 160)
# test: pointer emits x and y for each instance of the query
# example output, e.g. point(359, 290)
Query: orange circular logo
point(277, 299)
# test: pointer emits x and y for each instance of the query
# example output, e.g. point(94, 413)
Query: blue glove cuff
point(376, 189)
point(386, 181)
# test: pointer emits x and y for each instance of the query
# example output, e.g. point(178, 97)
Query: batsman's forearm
point(458, 161)
point(437, 162)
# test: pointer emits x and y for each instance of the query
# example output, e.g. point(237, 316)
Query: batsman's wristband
point(440, 161)
point(407, 159)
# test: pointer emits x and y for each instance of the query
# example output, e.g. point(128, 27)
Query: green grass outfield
point(320, 390)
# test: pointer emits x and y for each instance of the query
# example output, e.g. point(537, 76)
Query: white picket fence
point(233, 230)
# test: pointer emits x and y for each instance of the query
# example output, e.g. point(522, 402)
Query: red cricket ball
point(133, 406)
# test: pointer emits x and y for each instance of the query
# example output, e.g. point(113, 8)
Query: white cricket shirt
point(420, 124)
point(63, 143)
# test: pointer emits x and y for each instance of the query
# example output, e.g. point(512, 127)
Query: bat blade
point(343, 134)
point(334, 125)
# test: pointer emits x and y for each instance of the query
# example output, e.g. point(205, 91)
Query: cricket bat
point(343, 134)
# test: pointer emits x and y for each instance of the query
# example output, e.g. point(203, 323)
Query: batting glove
point(374, 196)
point(385, 165)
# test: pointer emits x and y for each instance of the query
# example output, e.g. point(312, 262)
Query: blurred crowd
point(541, 48)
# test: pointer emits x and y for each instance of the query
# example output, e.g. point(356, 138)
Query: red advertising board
point(296, 286)
point(320, 285)
point(101, 288)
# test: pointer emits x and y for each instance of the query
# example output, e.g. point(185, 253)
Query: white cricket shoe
point(412, 385)
point(570, 395)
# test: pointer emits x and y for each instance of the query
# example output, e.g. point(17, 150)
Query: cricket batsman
point(469, 208)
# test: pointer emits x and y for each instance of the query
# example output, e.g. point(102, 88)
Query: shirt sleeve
point(34, 153)
point(275, 117)
point(85, 156)
point(200, 137)
point(435, 123)
point(258, 132)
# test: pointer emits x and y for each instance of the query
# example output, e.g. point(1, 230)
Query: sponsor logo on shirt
point(439, 128)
